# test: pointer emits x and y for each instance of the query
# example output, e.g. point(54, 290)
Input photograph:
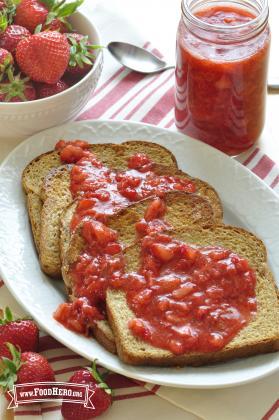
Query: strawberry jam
point(221, 73)
point(101, 192)
point(188, 298)
point(153, 219)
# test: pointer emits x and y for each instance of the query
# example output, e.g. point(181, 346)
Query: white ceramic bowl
point(20, 120)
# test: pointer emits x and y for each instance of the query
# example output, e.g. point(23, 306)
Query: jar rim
point(259, 20)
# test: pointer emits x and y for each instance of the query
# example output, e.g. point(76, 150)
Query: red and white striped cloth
point(123, 94)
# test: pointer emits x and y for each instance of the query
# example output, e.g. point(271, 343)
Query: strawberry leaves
point(81, 52)
point(3, 22)
point(64, 10)
point(7, 14)
point(7, 316)
point(10, 368)
point(98, 378)
point(49, 3)
point(60, 10)
point(15, 88)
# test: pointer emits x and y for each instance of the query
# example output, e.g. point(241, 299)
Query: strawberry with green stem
point(6, 62)
point(17, 89)
point(23, 333)
point(82, 55)
point(24, 367)
point(101, 399)
point(47, 14)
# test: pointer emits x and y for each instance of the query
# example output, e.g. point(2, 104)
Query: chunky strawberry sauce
point(101, 192)
point(153, 220)
point(188, 298)
point(221, 77)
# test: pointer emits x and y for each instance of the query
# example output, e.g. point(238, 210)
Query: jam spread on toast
point(101, 192)
point(188, 298)
point(185, 298)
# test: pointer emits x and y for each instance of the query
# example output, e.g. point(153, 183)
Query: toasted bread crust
point(34, 206)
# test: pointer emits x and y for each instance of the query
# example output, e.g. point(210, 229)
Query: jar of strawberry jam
point(221, 72)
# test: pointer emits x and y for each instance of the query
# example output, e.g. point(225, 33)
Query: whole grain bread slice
point(35, 172)
point(57, 196)
point(34, 207)
point(43, 176)
point(113, 155)
point(182, 209)
point(261, 335)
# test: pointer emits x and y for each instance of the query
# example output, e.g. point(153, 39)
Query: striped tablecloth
point(122, 94)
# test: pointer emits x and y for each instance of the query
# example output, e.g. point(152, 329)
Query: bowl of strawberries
point(50, 63)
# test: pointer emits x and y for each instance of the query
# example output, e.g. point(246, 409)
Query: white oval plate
point(247, 201)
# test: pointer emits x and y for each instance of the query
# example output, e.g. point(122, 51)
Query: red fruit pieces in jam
point(141, 162)
point(155, 210)
point(153, 218)
point(101, 192)
point(79, 316)
point(72, 151)
point(189, 298)
point(98, 262)
point(93, 230)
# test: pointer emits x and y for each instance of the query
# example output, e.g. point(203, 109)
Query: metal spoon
point(137, 58)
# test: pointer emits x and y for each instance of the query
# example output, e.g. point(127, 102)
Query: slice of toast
point(34, 206)
point(57, 196)
point(114, 155)
point(102, 331)
point(261, 335)
point(39, 178)
point(182, 209)
point(36, 171)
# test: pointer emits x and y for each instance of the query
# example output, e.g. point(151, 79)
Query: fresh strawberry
point(82, 55)
point(23, 333)
point(26, 367)
point(45, 90)
point(30, 14)
point(44, 56)
point(101, 398)
point(6, 62)
point(11, 37)
point(17, 89)
point(58, 25)
point(45, 14)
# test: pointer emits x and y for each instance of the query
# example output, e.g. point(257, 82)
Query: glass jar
point(221, 72)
